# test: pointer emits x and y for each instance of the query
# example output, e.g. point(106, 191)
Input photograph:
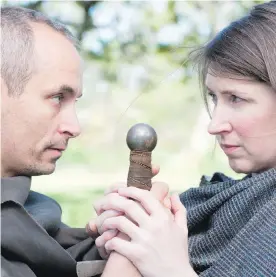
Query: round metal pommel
point(141, 137)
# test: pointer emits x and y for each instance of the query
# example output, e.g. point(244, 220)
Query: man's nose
point(220, 122)
point(70, 125)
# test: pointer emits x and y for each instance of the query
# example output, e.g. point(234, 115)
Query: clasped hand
point(155, 227)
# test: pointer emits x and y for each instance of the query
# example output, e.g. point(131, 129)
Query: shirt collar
point(15, 189)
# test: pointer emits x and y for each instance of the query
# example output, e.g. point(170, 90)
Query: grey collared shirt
point(35, 242)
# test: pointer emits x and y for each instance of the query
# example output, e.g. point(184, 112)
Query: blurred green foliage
point(136, 70)
point(77, 208)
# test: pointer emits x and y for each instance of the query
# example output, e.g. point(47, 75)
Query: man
point(41, 78)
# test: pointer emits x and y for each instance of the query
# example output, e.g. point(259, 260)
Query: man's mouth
point(55, 152)
point(58, 148)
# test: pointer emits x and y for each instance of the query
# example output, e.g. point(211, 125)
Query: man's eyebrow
point(68, 89)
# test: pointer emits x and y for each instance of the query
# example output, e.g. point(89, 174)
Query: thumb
point(179, 211)
point(91, 229)
point(160, 190)
point(155, 169)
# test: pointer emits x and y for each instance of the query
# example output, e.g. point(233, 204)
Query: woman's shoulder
point(217, 177)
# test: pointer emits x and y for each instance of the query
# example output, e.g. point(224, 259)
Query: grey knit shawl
point(232, 226)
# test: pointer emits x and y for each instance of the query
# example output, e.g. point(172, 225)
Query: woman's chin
point(243, 167)
point(247, 167)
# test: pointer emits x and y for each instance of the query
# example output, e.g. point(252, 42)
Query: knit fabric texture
point(232, 226)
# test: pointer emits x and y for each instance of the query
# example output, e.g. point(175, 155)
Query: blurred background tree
point(136, 70)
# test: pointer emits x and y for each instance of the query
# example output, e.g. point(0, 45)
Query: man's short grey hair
point(17, 44)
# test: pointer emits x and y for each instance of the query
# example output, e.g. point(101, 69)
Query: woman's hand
point(102, 208)
point(93, 227)
point(158, 238)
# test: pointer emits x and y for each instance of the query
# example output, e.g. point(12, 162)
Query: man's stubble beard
point(38, 167)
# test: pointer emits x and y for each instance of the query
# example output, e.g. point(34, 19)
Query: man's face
point(244, 122)
point(37, 125)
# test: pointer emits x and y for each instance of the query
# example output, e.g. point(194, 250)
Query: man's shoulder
point(36, 198)
point(45, 210)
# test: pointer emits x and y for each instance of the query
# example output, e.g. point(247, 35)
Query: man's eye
point(58, 98)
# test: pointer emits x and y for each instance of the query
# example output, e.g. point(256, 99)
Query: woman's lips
point(229, 149)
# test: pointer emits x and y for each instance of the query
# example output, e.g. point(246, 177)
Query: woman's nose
point(220, 123)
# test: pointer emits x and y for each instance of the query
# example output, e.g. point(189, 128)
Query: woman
point(231, 225)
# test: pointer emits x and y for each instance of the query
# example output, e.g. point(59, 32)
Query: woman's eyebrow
point(233, 91)
point(209, 90)
point(227, 91)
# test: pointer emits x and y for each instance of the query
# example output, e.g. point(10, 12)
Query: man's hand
point(105, 211)
point(159, 190)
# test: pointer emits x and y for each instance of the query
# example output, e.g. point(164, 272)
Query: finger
point(144, 197)
point(102, 240)
point(103, 253)
point(102, 217)
point(114, 187)
point(167, 202)
point(91, 229)
point(123, 247)
point(155, 170)
point(108, 235)
point(122, 224)
point(99, 204)
point(136, 213)
point(125, 206)
point(179, 211)
point(160, 190)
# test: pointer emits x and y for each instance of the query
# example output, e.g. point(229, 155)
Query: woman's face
point(244, 122)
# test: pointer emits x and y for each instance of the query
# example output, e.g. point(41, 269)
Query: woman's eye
point(235, 99)
point(213, 97)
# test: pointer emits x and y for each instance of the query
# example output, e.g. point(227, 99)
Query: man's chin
point(48, 170)
point(42, 170)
